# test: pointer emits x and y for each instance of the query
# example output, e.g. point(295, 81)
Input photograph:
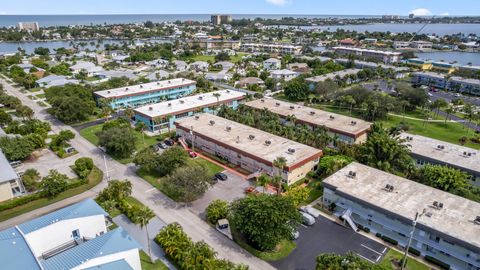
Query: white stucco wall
point(61, 232)
point(132, 257)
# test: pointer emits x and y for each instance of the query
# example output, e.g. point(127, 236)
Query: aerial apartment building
point(342, 74)
point(147, 93)
point(218, 19)
point(11, 184)
point(160, 117)
point(441, 81)
point(426, 150)
point(387, 57)
point(447, 226)
point(346, 129)
point(29, 26)
point(74, 237)
point(428, 78)
point(252, 149)
point(271, 48)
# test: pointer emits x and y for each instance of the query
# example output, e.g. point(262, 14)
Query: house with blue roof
point(74, 237)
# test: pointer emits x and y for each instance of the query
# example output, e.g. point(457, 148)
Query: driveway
point(326, 236)
point(140, 235)
point(230, 190)
point(47, 160)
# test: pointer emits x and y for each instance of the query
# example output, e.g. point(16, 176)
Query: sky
point(315, 7)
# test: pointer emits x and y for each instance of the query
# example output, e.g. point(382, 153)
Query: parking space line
point(304, 225)
point(371, 249)
point(365, 258)
point(150, 190)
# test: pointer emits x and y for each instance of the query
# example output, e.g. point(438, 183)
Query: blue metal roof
point(14, 251)
point(115, 265)
point(112, 242)
point(84, 208)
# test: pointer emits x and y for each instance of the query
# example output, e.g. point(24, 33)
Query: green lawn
point(94, 178)
point(147, 263)
point(40, 96)
point(393, 255)
point(449, 132)
point(89, 134)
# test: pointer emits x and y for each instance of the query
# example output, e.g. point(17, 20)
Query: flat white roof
point(138, 89)
point(188, 103)
point(339, 123)
point(366, 50)
point(238, 138)
point(448, 153)
point(408, 197)
point(430, 74)
point(332, 75)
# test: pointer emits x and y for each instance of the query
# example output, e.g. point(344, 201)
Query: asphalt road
point(165, 208)
point(326, 236)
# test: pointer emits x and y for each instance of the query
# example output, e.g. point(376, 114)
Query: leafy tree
point(187, 184)
point(171, 159)
point(297, 89)
point(415, 97)
point(83, 167)
point(326, 89)
point(265, 220)
point(30, 180)
point(147, 159)
point(298, 195)
point(16, 148)
point(61, 69)
point(223, 56)
point(42, 51)
point(70, 103)
point(119, 142)
point(345, 262)
point(216, 210)
point(387, 153)
point(37, 140)
point(54, 183)
point(330, 164)
point(5, 118)
point(115, 191)
point(62, 139)
point(443, 177)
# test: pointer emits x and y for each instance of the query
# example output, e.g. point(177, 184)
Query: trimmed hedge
point(437, 262)
point(414, 251)
point(19, 201)
point(389, 240)
point(378, 235)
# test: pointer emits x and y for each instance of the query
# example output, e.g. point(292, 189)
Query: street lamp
point(414, 224)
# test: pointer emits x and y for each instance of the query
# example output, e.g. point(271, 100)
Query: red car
point(251, 190)
point(192, 154)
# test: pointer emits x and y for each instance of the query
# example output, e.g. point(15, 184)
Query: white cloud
point(421, 12)
point(278, 2)
point(444, 14)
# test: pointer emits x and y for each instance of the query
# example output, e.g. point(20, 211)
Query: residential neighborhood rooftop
point(188, 103)
point(332, 75)
point(455, 218)
point(253, 141)
point(444, 152)
point(340, 123)
point(144, 88)
point(7, 172)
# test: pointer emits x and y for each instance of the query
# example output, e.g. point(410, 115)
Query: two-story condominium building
point(10, 183)
point(271, 48)
point(399, 71)
point(160, 117)
point(447, 227)
point(384, 56)
point(312, 81)
point(420, 63)
point(252, 149)
point(346, 129)
point(432, 79)
point(74, 237)
point(283, 75)
point(147, 93)
point(464, 85)
point(430, 151)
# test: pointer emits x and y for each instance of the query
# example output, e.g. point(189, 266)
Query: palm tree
point(143, 217)
point(129, 113)
point(263, 181)
point(140, 127)
point(280, 163)
point(217, 95)
point(449, 110)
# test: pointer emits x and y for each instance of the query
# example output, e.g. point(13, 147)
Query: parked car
point(310, 210)
point(251, 190)
point(221, 176)
point(192, 154)
point(169, 142)
point(162, 145)
point(307, 219)
point(155, 148)
point(295, 234)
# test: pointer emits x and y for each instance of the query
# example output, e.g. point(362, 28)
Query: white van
point(308, 219)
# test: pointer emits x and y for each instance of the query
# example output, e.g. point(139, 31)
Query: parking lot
point(46, 161)
point(326, 236)
point(229, 190)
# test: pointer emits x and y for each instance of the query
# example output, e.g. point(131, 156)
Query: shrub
point(437, 262)
point(216, 210)
point(83, 166)
point(54, 183)
point(366, 229)
point(389, 240)
point(378, 235)
point(30, 179)
point(19, 201)
point(130, 210)
point(414, 251)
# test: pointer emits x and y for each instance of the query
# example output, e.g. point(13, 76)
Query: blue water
point(462, 58)
point(56, 20)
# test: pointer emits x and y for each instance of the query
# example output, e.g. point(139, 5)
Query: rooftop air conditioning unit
point(228, 128)
point(182, 101)
point(150, 108)
point(435, 203)
point(263, 100)
point(389, 188)
point(267, 142)
point(477, 220)
point(108, 92)
point(158, 83)
point(197, 117)
point(228, 91)
point(353, 123)
point(312, 113)
point(200, 97)
point(183, 79)
point(141, 86)
point(212, 122)
point(440, 205)
point(277, 104)
point(292, 107)
point(169, 81)
point(251, 137)
point(169, 104)
point(332, 117)
point(352, 174)
point(291, 150)
point(469, 154)
point(126, 88)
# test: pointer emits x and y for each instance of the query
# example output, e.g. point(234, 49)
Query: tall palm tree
point(129, 113)
point(143, 217)
point(280, 163)
point(140, 127)
point(263, 181)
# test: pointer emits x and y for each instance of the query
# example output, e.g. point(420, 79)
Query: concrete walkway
point(165, 208)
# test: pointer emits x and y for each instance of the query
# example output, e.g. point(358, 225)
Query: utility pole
point(414, 224)
point(193, 139)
